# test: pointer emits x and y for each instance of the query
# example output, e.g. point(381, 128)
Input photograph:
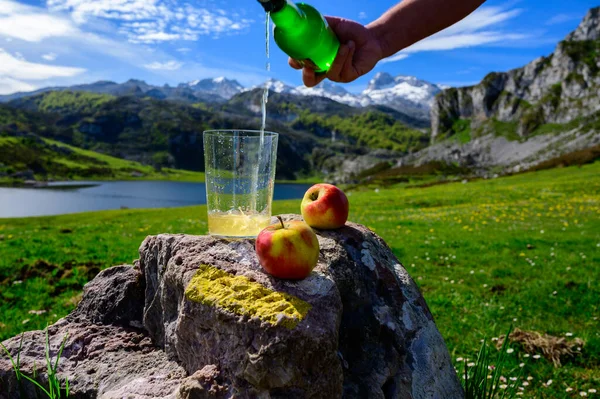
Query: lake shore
point(57, 198)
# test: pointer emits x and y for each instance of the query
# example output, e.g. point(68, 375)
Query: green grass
point(56, 388)
point(462, 131)
point(521, 250)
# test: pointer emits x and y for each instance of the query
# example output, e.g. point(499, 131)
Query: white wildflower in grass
point(522, 365)
point(503, 386)
point(459, 359)
point(582, 393)
point(519, 393)
point(513, 378)
point(569, 389)
point(25, 321)
point(569, 334)
point(549, 382)
point(536, 356)
point(470, 364)
point(592, 390)
point(525, 384)
point(510, 350)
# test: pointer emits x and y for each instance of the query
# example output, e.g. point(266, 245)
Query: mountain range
point(405, 94)
point(545, 113)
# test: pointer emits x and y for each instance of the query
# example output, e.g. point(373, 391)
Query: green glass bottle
point(302, 33)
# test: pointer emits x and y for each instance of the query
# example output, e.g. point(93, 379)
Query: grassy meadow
point(521, 250)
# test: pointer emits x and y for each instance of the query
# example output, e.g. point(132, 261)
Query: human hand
point(359, 52)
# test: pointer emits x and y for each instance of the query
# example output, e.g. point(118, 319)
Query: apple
point(325, 207)
point(288, 250)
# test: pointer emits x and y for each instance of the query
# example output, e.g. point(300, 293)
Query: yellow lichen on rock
point(215, 287)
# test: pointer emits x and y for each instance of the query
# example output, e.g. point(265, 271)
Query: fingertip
point(294, 63)
point(309, 77)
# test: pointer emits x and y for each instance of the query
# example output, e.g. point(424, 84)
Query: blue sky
point(64, 42)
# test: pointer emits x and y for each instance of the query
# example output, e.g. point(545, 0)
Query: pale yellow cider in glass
point(237, 223)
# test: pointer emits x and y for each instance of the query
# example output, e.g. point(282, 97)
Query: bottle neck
point(289, 16)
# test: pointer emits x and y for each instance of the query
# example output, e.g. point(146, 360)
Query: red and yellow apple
point(325, 207)
point(288, 250)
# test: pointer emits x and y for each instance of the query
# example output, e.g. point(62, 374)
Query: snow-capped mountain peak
point(382, 80)
point(401, 92)
point(407, 94)
point(220, 86)
point(278, 86)
point(332, 91)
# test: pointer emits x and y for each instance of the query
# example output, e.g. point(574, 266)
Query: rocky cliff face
point(555, 89)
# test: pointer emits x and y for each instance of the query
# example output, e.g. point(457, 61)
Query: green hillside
point(168, 134)
point(371, 129)
point(521, 250)
point(45, 159)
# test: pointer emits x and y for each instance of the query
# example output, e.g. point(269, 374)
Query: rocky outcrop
point(489, 155)
point(589, 29)
point(106, 353)
point(197, 317)
point(554, 89)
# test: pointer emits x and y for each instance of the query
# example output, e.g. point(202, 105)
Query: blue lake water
point(61, 198)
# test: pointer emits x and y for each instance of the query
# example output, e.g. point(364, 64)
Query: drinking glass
point(240, 177)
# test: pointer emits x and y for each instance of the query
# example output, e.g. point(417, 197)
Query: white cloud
point(472, 31)
point(49, 56)
point(362, 15)
point(459, 83)
point(19, 69)
point(164, 66)
point(31, 23)
point(562, 18)
point(151, 21)
point(9, 85)
point(157, 37)
point(183, 50)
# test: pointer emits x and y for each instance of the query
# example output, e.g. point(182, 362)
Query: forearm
point(413, 20)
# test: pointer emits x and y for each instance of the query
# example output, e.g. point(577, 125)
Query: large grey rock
point(216, 326)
